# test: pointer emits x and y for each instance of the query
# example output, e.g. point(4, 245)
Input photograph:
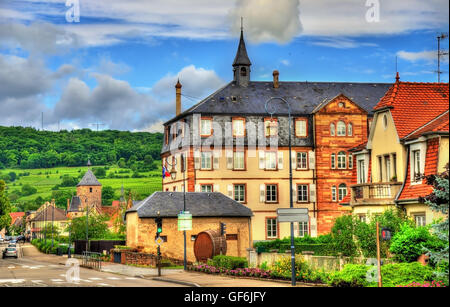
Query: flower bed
point(247, 272)
point(433, 284)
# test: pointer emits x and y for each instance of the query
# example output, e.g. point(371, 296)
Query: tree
point(107, 195)
point(98, 229)
point(342, 234)
point(28, 190)
point(438, 202)
point(5, 207)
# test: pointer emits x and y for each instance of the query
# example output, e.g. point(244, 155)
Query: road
point(33, 269)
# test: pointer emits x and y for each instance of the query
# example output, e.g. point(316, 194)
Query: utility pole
point(98, 124)
point(440, 53)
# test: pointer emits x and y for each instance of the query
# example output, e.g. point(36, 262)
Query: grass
point(45, 179)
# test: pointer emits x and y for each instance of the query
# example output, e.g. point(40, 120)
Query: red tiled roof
point(415, 104)
point(359, 147)
point(439, 124)
point(15, 215)
point(431, 162)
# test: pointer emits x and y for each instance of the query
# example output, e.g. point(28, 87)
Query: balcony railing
point(375, 191)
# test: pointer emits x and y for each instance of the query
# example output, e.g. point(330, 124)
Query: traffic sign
point(184, 221)
point(159, 241)
point(386, 234)
point(292, 215)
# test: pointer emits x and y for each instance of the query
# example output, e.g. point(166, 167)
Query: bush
point(342, 234)
point(410, 242)
point(355, 275)
point(228, 262)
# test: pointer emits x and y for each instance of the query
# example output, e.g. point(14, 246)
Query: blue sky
point(119, 64)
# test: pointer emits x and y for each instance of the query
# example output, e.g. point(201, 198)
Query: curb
point(184, 283)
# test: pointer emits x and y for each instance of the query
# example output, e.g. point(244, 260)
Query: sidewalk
point(177, 276)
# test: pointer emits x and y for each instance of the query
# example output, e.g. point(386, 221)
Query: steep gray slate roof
point(169, 204)
point(303, 97)
point(89, 179)
point(75, 204)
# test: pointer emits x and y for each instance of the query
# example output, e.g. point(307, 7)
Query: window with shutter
point(239, 160)
point(271, 160)
point(280, 160)
point(302, 193)
point(271, 193)
point(302, 160)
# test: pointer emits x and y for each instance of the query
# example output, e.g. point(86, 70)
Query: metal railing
point(92, 260)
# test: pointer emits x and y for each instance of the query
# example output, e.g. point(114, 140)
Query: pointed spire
point(397, 78)
point(241, 55)
point(178, 85)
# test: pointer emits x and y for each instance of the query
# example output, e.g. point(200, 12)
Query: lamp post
point(53, 217)
point(173, 175)
point(291, 204)
point(87, 224)
point(69, 255)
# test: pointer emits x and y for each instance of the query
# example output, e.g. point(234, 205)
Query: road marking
point(95, 278)
point(131, 278)
point(113, 278)
point(11, 267)
point(85, 280)
point(12, 281)
point(56, 280)
point(37, 281)
point(104, 285)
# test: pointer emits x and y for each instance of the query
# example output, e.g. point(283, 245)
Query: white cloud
point(267, 20)
point(429, 56)
point(340, 43)
point(285, 62)
point(196, 82)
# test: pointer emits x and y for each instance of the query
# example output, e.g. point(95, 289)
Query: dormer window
point(341, 105)
point(238, 127)
point(271, 127)
point(206, 127)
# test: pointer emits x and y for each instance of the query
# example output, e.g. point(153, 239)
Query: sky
point(115, 62)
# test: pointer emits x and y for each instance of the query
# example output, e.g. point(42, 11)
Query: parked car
point(10, 252)
point(21, 239)
point(12, 245)
point(13, 241)
point(1, 239)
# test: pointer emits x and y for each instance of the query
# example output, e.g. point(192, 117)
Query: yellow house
point(44, 217)
point(401, 148)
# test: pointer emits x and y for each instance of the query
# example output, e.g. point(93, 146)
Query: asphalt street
point(32, 270)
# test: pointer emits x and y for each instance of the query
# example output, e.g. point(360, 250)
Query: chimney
point(178, 101)
point(276, 83)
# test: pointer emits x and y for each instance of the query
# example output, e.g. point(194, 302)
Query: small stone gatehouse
point(208, 211)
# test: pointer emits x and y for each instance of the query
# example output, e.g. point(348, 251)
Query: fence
point(92, 260)
point(96, 246)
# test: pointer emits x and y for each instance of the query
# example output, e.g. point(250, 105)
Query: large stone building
point(409, 138)
point(236, 142)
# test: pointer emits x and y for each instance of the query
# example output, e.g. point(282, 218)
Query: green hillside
point(45, 180)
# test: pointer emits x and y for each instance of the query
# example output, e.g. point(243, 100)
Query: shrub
point(355, 275)
point(229, 262)
point(410, 242)
point(342, 234)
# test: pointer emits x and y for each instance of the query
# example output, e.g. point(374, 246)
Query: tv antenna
point(97, 124)
point(442, 36)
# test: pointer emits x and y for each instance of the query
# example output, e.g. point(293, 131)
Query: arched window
point(243, 72)
point(342, 191)
point(342, 160)
point(341, 128)
point(350, 130)
point(332, 130)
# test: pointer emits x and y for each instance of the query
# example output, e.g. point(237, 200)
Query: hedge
point(228, 262)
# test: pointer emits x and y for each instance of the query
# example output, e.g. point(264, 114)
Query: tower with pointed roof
point(241, 64)
point(89, 190)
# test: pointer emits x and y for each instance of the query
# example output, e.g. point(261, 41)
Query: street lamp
point(53, 217)
point(173, 175)
point(293, 281)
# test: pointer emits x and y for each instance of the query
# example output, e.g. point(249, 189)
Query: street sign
point(159, 241)
point(292, 215)
point(184, 221)
point(386, 234)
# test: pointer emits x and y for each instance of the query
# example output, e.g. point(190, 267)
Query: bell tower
point(241, 64)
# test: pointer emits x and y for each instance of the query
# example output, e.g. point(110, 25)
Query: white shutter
point(294, 159)
point(312, 193)
point(216, 161)
point(229, 159)
point(262, 161)
point(296, 230)
point(312, 160)
point(197, 159)
point(262, 193)
point(216, 188)
point(294, 193)
point(198, 188)
point(230, 191)
point(280, 160)
point(313, 227)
